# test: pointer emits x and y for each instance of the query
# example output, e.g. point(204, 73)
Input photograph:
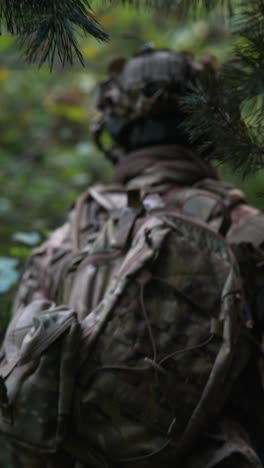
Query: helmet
point(139, 101)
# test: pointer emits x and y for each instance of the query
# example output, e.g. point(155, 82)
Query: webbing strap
point(97, 194)
point(77, 220)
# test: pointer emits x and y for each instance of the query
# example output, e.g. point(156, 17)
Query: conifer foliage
point(225, 112)
point(48, 27)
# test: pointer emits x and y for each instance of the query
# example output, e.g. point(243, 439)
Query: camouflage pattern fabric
point(140, 356)
point(142, 359)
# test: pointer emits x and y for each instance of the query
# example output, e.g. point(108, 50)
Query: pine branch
point(225, 113)
point(48, 27)
point(216, 126)
point(246, 73)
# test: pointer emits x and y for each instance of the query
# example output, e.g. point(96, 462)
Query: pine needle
point(46, 28)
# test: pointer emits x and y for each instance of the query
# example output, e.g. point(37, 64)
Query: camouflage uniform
point(71, 269)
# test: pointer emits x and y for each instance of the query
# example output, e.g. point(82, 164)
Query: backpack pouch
point(37, 376)
point(167, 347)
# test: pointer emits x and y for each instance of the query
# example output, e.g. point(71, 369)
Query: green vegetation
point(47, 157)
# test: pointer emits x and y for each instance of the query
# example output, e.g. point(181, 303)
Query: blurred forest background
point(47, 157)
point(46, 153)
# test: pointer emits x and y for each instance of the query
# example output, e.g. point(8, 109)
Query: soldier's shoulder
point(247, 222)
point(247, 226)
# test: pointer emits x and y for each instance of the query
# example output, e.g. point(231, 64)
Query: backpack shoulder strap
point(107, 198)
point(210, 201)
point(230, 195)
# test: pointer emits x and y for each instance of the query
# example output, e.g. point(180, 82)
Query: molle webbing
point(211, 201)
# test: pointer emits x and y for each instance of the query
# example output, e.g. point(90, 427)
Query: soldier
point(130, 339)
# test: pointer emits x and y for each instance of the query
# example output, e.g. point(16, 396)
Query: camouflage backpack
point(144, 355)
